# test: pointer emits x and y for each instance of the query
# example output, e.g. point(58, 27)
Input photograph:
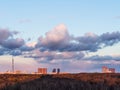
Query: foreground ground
point(82, 81)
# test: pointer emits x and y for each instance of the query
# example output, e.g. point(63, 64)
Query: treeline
point(69, 82)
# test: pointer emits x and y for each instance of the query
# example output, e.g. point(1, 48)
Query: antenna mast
point(12, 64)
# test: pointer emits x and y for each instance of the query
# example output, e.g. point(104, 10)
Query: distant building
point(112, 70)
point(54, 70)
point(42, 70)
point(104, 69)
point(58, 70)
point(18, 72)
point(108, 70)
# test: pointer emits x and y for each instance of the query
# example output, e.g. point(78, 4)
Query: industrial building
point(42, 70)
point(105, 69)
point(56, 71)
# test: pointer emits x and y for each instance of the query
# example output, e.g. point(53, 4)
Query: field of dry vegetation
point(82, 81)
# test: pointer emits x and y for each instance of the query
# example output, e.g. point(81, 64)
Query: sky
point(73, 35)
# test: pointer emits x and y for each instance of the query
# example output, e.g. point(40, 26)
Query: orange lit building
point(42, 70)
point(104, 69)
point(112, 70)
point(108, 70)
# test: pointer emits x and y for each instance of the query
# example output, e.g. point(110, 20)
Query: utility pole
point(12, 64)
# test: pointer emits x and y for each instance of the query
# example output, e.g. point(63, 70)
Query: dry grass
point(82, 81)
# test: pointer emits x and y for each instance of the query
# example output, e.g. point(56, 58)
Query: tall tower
point(12, 64)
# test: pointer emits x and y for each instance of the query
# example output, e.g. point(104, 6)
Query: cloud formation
point(8, 42)
point(103, 58)
point(53, 55)
point(13, 43)
point(110, 39)
point(4, 35)
point(59, 47)
point(57, 44)
point(117, 17)
point(59, 39)
point(24, 21)
point(55, 39)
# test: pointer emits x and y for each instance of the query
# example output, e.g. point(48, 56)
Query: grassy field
point(82, 81)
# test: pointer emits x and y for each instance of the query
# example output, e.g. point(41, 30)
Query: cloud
point(9, 44)
point(48, 56)
point(59, 39)
point(117, 17)
point(4, 35)
point(92, 42)
point(108, 39)
point(88, 42)
point(13, 43)
point(1, 51)
point(26, 48)
point(24, 21)
point(90, 64)
point(59, 47)
point(31, 44)
point(55, 39)
point(4, 51)
point(103, 58)
point(13, 46)
point(7, 40)
point(16, 53)
point(57, 43)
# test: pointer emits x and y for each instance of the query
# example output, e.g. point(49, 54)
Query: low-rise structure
point(42, 70)
point(108, 70)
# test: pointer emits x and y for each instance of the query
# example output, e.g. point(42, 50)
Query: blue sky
point(80, 16)
point(33, 18)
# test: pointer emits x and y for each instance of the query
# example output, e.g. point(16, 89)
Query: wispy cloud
point(117, 17)
point(24, 21)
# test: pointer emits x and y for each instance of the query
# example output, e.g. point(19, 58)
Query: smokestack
point(12, 64)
